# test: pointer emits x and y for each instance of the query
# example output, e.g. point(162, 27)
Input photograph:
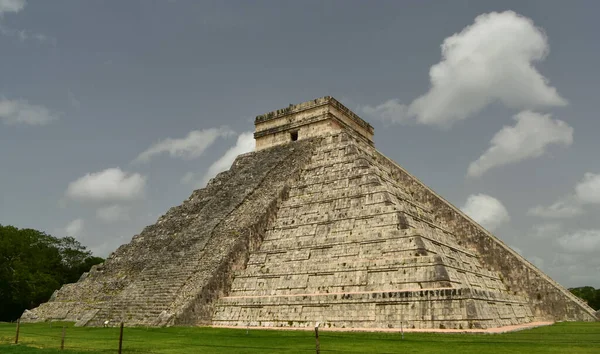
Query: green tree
point(33, 265)
point(588, 294)
point(76, 259)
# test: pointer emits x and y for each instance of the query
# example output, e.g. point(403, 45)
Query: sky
point(113, 112)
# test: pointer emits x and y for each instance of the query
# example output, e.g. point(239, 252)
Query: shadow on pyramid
point(314, 226)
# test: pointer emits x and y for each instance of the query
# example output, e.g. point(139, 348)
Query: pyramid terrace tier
point(440, 308)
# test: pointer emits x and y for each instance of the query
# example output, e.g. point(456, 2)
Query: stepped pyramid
point(315, 225)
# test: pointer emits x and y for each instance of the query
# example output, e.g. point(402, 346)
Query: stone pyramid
point(315, 225)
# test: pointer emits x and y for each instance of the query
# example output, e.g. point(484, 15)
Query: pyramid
point(314, 226)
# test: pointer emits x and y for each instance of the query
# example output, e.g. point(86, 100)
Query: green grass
point(42, 338)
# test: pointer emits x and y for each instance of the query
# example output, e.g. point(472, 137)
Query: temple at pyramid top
point(306, 120)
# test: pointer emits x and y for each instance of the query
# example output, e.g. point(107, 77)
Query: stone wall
point(549, 300)
point(313, 118)
point(422, 309)
point(314, 127)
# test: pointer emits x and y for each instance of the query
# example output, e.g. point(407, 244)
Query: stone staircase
point(144, 301)
point(173, 271)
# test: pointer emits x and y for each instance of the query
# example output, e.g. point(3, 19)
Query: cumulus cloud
point(581, 241)
point(189, 147)
point(244, 144)
point(532, 134)
point(74, 228)
point(565, 208)
point(489, 61)
point(113, 213)
point(11, 6)
point(112, 184)
point(588, 190)
point(22, 112)
point(486, 210)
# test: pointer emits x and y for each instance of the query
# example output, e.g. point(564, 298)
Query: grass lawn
point(41, 338)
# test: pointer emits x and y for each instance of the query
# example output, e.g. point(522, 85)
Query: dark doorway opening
point(294, 135)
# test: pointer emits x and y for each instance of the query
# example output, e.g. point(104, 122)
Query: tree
point(589, 295)
point(33, 265)
point(76, 258)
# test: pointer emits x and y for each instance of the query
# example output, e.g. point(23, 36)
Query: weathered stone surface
point(351, 248)
point(323, 229)
point(174, 270)
point(309, 119)
point(29, 316)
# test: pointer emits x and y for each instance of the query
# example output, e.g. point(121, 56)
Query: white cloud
point(528, 138)
point(565, 208)
point(582, 241)
point(486, 210)
point(11, 6)
point(190, 147)
point(588, 190)
point(245, 143)
point(22, 112)
point(389, 111)
point(74, 228)
point(489, 61)
point(112, 184)
point(113, 213)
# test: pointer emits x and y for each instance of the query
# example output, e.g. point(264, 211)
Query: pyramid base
point(496, 330)
point(430, 309)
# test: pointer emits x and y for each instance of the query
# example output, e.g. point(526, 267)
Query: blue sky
point(112, 112)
